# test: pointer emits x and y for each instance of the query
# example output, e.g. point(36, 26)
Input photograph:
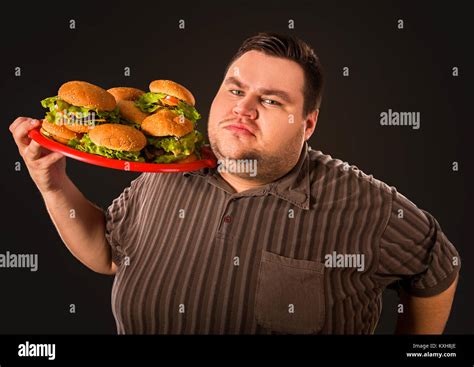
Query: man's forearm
point(425, 315)
point(81, 226)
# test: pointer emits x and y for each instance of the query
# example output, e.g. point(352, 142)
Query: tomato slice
point(170, 101)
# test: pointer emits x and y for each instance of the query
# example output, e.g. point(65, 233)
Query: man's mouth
point(239, 128)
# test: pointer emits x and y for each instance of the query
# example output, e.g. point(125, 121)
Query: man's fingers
point(43, 156)
point(17, 122)
point(51, 158)
point(33, 151)
point(30, 149)
point(20, 131)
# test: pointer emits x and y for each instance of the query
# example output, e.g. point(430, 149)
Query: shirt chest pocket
point(290, 295)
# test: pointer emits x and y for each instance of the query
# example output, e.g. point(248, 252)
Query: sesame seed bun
point(78, 128)
point(166, 123)
point(125, 93)
point(118, 137)
point(83, 94)
point(173, 89)
point(58, 132)
point(130, 112)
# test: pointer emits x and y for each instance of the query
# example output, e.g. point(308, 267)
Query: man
point(301, 244)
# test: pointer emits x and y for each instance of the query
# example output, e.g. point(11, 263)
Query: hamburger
point(113, 141)
point(80, 106)
point(169, 139)
point(168, 95)
point(170, 128)
point(130, 114)
point(58, 132)
point(125, 93)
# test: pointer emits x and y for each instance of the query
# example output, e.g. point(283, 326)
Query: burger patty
point(151, 152)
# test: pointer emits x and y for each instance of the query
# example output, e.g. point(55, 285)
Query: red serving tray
point(208, 158)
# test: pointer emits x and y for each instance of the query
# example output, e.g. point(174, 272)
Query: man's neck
point(240, 184)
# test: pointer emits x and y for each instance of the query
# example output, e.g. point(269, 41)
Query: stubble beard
point(270, 166)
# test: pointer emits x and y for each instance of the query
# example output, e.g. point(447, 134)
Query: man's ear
point(310, 123)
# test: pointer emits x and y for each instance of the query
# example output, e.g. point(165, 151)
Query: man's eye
point(236, 92)
point(271, 102)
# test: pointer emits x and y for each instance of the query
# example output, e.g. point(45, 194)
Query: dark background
point(405, 70)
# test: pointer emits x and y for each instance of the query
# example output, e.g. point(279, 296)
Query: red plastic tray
point(208, 158)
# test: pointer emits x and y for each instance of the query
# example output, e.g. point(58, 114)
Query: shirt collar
point(293, 187)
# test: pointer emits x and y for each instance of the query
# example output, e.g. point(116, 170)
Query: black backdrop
point(409, 69)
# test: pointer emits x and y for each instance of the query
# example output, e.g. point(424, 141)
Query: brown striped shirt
point(309, 253)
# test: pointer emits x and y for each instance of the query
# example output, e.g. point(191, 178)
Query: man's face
point(258, 113)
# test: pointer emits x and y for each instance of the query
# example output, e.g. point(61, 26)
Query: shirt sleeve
point(118, 217)
point(414, 253)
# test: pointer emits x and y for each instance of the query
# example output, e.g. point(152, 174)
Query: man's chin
point(232, 150)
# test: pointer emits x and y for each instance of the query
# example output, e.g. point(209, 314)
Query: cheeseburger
point(171, 96)
point(58, 132)
point(126, 97)
point(80, 106)
point(113, 141)
point(170, 128)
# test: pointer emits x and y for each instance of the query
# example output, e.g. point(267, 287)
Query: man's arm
point(83, 233)
point(425, 315)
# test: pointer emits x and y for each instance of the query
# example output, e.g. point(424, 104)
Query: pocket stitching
point(303, 264)
point(319, 271)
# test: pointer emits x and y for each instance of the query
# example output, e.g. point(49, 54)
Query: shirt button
point(300, 196)
point(227, 219)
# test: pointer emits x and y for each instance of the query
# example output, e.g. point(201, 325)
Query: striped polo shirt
point(310, 253)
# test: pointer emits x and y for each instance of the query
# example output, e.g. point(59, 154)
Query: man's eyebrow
point(234, 80)
point(274, 92)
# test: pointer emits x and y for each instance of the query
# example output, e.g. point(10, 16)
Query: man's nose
point(245, 108)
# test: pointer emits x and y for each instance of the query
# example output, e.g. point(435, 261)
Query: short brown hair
point(291, 48)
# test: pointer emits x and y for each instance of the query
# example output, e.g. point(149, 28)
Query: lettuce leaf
point(151, 102)
point(61, 112)
point(130, 123)
point(169, 158)
point(187, 111)
point(178, 146)
point(86, 145)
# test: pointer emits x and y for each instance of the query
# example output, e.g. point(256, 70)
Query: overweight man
point(277, 239)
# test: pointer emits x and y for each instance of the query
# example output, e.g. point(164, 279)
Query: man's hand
point(46, 168)
point(425, 315)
